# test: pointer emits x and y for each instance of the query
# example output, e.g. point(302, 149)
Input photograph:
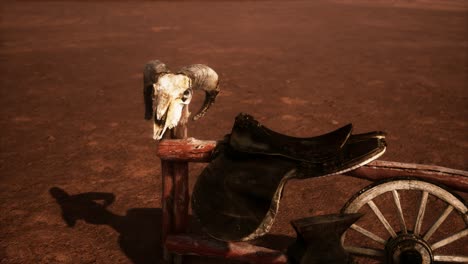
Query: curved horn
point(203, 77)
point(151, 72)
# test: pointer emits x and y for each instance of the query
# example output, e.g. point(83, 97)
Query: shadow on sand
point(139, 229)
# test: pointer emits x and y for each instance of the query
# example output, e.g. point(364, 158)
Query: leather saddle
point(237, 195)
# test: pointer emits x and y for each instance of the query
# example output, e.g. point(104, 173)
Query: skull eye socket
point(187, 95)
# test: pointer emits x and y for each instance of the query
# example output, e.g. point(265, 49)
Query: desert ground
point(72, 111)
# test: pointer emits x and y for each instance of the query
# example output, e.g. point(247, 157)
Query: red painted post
point(175, 195)
point(167, 204)
point(181, 196)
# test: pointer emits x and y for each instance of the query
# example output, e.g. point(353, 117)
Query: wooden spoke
point(450, 239)
point(437, 223)
point(455, 259)
point(396, 199)
point(365, 251)
point(382, 219)
point(368, 234)
point(422, 210)
point(368, 195)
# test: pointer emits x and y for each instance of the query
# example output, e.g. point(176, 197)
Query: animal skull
point(171, 93)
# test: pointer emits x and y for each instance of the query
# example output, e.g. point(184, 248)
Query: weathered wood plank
point(241, 251)
point(380, 169)
point(190, 149)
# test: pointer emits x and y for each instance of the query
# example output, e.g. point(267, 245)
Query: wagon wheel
point(399, 241)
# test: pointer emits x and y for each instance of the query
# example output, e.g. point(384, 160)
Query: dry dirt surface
point(79, 179)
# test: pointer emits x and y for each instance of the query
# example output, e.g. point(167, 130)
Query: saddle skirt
point(237, 195)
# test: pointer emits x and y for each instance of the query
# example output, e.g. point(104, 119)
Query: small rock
point(51, 138)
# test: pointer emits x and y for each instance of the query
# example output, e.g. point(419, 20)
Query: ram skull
point(167, 95)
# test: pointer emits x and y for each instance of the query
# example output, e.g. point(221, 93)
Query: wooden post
point(167, 204)
point(181, 193)
point(175, 194)
point(181, 196)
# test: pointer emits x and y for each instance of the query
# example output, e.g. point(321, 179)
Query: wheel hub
point(408, 249)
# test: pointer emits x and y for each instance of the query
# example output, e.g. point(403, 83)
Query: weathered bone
point(151, 72)
point(173, 92)
point(206, 79)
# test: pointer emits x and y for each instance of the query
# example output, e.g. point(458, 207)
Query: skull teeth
point(159, 127)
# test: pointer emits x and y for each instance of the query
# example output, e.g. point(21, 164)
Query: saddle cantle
point(237, 195)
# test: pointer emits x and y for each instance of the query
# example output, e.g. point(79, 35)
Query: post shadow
point(139, 229)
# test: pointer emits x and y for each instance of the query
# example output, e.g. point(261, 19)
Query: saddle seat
point(249, 136)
